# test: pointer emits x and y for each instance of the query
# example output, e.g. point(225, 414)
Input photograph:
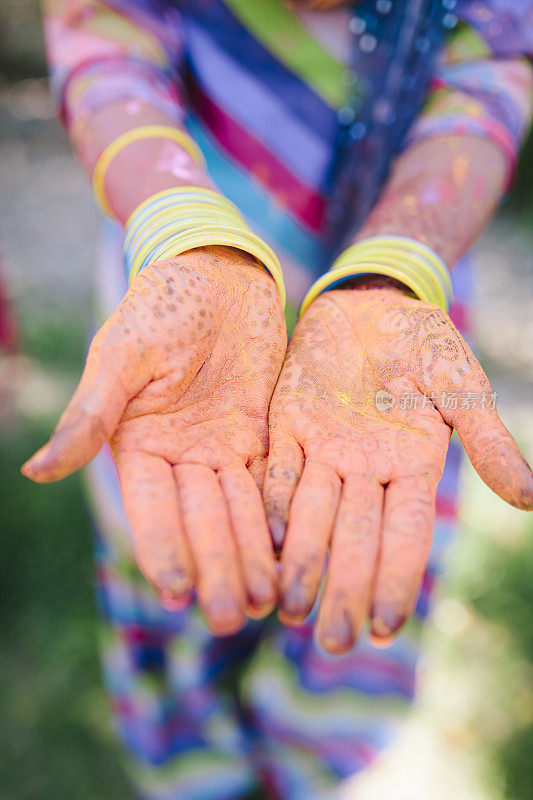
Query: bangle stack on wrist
point(406, 260)
point(176, 220)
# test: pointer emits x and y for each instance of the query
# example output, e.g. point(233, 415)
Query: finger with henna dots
point(250, 530)
point(151, 502)
point(494, 453)
point(220, 583)
point(309, 530)
point(284, 468)
point(490, 447)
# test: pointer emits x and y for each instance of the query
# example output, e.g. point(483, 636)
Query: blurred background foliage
point(472, 736)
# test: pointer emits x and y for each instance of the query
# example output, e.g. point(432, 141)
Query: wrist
point(141, 168)
point(140, 158)
point(175, 221)
point(145, 168)
point(408, 262)
point(218, 261)
point(225, 275)
point(365, 283)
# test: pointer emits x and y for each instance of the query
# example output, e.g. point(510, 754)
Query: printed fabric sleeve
point(101, 53)
point(483, 81)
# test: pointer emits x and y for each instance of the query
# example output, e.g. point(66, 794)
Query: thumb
point(112, 376)
point(451, 374)
point(493, 452)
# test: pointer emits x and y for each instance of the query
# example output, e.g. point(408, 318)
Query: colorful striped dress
point(279, 101)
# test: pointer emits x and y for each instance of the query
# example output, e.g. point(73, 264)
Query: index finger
point(283, 472)
point(303, 557)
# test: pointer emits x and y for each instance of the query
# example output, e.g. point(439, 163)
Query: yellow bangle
point(412, 267)
point(168, 198)
point(406, 260)
point(168, 227)
point(351, 271)
point(213, 234)
point(135, 135)
point(402, 243)
point(176, 220)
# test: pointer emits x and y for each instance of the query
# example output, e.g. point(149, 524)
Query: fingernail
point(380, 643)
point(32, 464)
point(386, 621)
point(263, 596)
point(278, 528)
point(526, 495)
point(26, 469)
point(172, 603)
point(295, 603)
point(36, 462)
point(225, 615)
point(173, 582)
point(338, 635)
point(260, 612)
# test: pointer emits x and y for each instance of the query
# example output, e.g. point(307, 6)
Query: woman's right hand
point(179, 381)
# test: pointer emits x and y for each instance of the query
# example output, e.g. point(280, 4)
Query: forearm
point(442, 192)
point(147, 166)
point(115, 67)
point(141, 168)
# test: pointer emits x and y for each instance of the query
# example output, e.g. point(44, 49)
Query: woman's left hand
point(372, 385)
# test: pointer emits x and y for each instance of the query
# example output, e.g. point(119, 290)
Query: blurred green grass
point(55, 736)
point(491, 576)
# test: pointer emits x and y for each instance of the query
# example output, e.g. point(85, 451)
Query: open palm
point(178, 380)
point(359, 424)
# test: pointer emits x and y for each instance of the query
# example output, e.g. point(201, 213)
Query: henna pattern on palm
point(359, 482)
point(179, 381)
